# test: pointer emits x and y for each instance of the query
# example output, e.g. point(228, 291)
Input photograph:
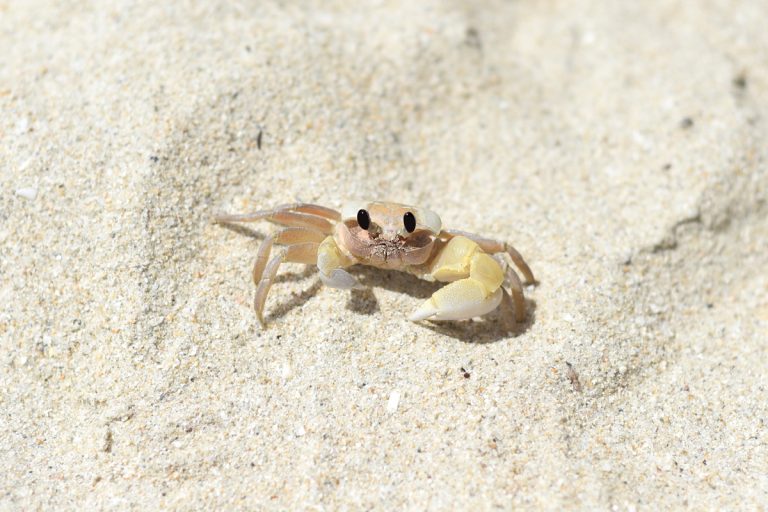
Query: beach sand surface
point(620, 146)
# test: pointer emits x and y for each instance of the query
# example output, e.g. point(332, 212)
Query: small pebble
point(27, 192)
point(392, 403)
point(22, 125)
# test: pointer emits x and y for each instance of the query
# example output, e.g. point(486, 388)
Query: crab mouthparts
point(387, 248)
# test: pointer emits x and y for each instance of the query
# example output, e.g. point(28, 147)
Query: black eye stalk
point(409, 220)
point(363, 219)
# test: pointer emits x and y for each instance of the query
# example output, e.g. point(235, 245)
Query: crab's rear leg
point(305, 215)
point(516, 289)
point(475, 283)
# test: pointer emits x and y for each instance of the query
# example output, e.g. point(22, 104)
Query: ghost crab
point(390, 236)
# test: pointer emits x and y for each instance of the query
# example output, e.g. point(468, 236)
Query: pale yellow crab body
point(396, 237)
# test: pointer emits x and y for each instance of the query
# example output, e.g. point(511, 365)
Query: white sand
point(621, 146)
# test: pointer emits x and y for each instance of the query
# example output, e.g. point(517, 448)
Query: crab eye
point(409, 220)
point(363, 219)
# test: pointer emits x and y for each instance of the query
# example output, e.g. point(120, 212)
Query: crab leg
point(289, 236)
point(262, 257)
point(302, 248)
point(313, 209)
point(297, 215)
point(494, 246)
point(516, 288)
point(475, 288)
point(298, 253)
point(284, 218)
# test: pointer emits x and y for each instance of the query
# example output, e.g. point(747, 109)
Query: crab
point(390, 236)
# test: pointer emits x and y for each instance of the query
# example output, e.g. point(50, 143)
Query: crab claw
point(341, 279)
point(460, 300)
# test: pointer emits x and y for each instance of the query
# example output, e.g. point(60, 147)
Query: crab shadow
point(363, 302)
point(296, 301)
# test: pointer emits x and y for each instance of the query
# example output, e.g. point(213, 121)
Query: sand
point(621, 146)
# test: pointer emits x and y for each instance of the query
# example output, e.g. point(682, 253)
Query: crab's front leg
point(475, 283)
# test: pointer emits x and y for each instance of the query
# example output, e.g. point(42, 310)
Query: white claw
point(455, 307)
point(341, 279)
point(425, 311)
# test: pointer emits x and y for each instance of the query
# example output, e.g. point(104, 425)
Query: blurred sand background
point(621, 146)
